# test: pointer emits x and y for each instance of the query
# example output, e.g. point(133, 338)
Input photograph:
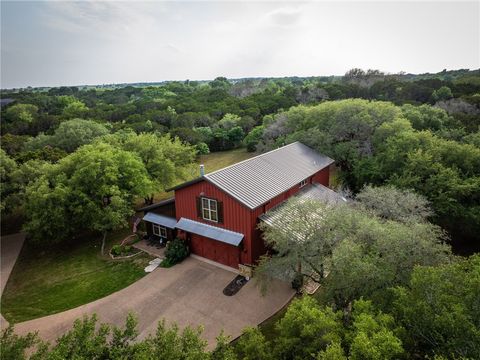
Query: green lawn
point(212, 162)
point(268, 326)
point(45, 281)
point(221, 159)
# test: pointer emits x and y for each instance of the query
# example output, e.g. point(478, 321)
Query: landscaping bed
point(46, 281)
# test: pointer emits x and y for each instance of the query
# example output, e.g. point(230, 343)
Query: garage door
point(215, 250)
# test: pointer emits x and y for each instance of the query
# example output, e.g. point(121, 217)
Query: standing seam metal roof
point(212, 232)
point(255, 181)
point(161, 220)
point(316, 192)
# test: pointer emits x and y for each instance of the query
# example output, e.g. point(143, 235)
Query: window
point(160, 231)
point(209, 209)
point(303, 183)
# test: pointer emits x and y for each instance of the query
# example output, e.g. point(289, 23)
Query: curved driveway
point(189, 293)
point(10, 246)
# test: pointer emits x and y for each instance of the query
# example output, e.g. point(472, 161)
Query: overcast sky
point(96, 42)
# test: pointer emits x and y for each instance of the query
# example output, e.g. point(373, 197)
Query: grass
point(268, 326)
point(47, 281)
point(213, 161)
point(221, 159)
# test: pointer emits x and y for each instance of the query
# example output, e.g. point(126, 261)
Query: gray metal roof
point(280, 215)
point(255, 181)
point(322, 193)
point(160, 220)
point(212, 232)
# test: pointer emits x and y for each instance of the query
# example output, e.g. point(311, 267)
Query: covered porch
point(146, 246)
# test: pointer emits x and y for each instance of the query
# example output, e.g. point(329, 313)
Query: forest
point(403, 277)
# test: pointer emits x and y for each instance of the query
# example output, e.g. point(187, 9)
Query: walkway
point(10, 246)
point(150, 249)
point(189, 293)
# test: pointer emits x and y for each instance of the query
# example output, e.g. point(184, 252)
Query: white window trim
point(209, 209)
point(159, 230)
point(303, 183)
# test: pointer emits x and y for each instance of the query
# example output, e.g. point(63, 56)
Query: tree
point(15, 347)
point(439, 309)
point(390, 203)
point(202, 148)
point(342, 130)
point(427, 117)
point(75, 109)
point(373, 334)
point(334, 351)
point(302, 242)
point(235, 136)
point(253, 137)
point(364, 254)
point(20, 117)
point(375, 254)
point(223, 350)
point(93, 188)
point(306, 329)
point(187, 135)
point(165, 159)
point(252, 345)
point(441, 94)
point(13, 144)
point(70, 135)
point(170, 343)
point(229, 121)
point(20, 177)
point(7, 167)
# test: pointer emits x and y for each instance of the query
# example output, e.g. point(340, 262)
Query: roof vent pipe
point(202, 170)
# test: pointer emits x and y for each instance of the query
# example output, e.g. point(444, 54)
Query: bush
point(202, 148)
point(297, 282)
point(176, 251)
point(121, 250)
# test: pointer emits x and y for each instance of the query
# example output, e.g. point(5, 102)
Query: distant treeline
point(439, 112)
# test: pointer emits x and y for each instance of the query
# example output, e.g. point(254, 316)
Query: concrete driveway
point(10, 246)
point(189, 293)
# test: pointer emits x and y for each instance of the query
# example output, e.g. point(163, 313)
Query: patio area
point(154, 250)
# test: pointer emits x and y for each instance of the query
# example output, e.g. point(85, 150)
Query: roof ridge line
point(255, 157)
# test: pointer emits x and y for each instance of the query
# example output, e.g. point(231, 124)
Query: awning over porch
point(209, 231)
point(160, 220)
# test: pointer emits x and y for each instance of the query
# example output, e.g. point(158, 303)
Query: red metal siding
point(258, 246)
point(215, 250)
point(236, 217)
point(322, 177)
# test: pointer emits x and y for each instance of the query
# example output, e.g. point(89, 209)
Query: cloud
point(110, 19)
point(284, 17)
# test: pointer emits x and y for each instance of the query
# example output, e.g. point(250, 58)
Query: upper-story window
point(303, 183)
point(209, 209)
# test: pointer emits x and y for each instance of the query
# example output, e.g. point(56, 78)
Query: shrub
point(297, 282)
point(202, 148)
point(121, 250)
point(176, 251)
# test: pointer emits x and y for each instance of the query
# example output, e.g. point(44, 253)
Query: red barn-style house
point(218, 213)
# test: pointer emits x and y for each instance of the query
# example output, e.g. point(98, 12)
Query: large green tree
point(362, 253)
point(439, 308)
point(70, 135)
point(165, 159)
point(91, 189)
